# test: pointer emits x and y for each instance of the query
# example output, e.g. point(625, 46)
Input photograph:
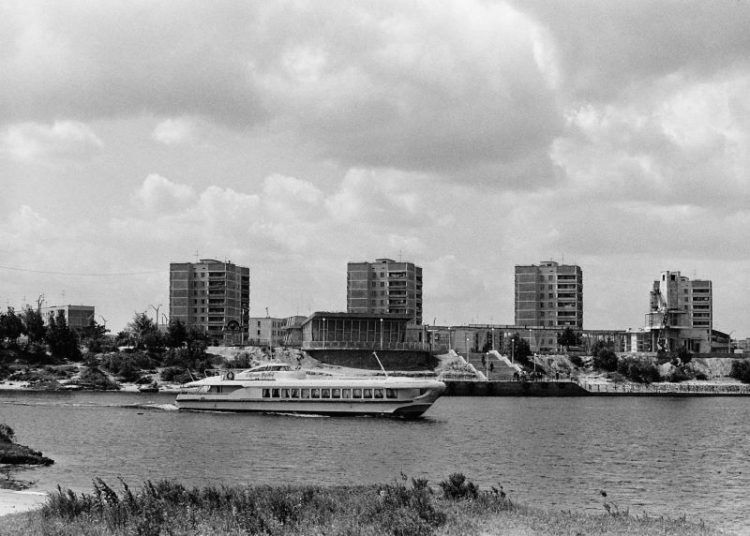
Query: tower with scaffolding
point(680, 313)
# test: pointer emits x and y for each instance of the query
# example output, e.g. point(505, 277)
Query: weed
point(456, 487)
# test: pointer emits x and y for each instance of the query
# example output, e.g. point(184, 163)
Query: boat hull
point(406, 409)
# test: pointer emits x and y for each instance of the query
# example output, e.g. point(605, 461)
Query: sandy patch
point(13, 502)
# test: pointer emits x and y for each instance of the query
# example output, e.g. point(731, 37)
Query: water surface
point(670, 456)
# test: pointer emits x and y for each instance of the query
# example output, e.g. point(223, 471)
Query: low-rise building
point(76, 316)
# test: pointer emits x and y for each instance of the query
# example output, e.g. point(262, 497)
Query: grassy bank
point(401, 508)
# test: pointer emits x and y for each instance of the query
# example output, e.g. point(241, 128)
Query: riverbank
point(454, 507)
point(15, 502)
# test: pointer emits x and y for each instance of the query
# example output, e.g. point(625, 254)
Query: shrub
point(741, 370)
point(639, 370)
point(456, 487)
point(606, 359)
point(576, 360)
point(679, 375)
point(175, 374)
point(7, 435)
point(94, 378)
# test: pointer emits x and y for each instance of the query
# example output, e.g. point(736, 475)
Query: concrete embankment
point(570, 388)
point(513, 388)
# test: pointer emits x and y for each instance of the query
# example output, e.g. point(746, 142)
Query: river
point(669, 456)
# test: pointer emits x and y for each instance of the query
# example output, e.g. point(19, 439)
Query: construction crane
point(661, 340)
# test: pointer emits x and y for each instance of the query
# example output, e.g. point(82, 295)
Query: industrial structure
point(549, 295)
point(211, 296)
point(680, 313)
point(385, 287)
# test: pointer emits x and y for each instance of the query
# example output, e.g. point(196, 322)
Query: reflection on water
point(659, 455)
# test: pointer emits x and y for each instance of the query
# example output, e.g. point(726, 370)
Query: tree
point(62, 341)
point(145, 333)
point(520, 349)
point(34, 324)
point(11, 326)
point(568, 338)
point(177, 334)
point(94, 335)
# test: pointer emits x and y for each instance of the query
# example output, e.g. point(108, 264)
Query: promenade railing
point(667, 388)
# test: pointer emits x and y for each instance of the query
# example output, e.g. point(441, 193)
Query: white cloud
point(175, 131)
point(159, 194)
point(62, 139)
point(289, 197)
point(418, 86)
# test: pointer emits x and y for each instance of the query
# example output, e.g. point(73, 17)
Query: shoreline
point(380, 505)
point(17, 502)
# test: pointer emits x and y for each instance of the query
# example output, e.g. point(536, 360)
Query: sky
point(292, 137)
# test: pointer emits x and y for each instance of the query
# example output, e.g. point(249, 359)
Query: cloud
point(688, 146)
point(293, 197)
point(60, 140)
point(175, 131)
point(159, 194)
point(606, 51)
point(416, 86)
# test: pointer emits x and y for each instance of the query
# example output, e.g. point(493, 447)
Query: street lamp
point(492, 332)
point(324, 332)
point(467, 350)
point(381, 333)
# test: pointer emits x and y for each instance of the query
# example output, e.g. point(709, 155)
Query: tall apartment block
point(549, 295)
point(212, 296)
point(687, 303)
point(384, 286)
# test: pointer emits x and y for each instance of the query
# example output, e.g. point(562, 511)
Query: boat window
point(295, 393)
point(305, 393)
point(285, 393)
point(358, 393)
point(390, 393)
point(315, 393)
point(335, 393)
point(325, 393)
point(346, 393)
point(274, 393)
point(266, 393)
point(378, 393)
point(368, 393)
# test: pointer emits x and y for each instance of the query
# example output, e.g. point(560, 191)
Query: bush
point(93, 378)
point(679, 375)
point(456, 487)
point(639, 370)
point(741, 370)
point(606, 359)
point(577, 360)
point(175, 374)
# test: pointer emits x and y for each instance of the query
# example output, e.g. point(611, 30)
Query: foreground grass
point(456, 507)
